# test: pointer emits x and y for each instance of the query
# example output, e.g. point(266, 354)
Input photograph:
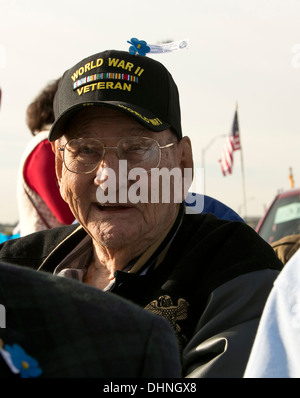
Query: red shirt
point(39, 174)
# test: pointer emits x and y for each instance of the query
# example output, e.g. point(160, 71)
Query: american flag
point(232, 143)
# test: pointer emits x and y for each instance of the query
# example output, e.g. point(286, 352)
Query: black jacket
point(211, 285)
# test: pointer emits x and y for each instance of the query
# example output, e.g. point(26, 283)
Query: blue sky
point(245, 51)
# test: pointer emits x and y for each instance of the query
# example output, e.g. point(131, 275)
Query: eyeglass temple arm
point(168, 145)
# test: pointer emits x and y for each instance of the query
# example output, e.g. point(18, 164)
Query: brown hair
point(40, 112)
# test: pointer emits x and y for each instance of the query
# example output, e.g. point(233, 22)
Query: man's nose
point(111, 173)
point(109, 165)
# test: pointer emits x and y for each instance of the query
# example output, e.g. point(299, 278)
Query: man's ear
point(185, 159)
point(58, 159)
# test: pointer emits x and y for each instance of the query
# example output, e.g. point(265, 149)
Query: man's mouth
point(113, 207)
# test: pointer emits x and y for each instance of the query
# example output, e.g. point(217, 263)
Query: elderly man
point(52, 327)
point(117, 123)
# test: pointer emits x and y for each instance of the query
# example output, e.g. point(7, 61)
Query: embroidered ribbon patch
point(105, 76)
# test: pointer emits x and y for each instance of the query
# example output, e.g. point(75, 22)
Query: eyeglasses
point(83, 155)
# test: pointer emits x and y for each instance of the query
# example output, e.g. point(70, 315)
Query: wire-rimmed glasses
point(83, 155)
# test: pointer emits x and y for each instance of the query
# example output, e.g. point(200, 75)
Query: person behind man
point(117, 125)
point(286, 247)
point(52, 327)
point(276, 349)
point(40, 204)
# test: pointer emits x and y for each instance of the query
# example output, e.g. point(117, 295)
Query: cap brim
point(142, 116)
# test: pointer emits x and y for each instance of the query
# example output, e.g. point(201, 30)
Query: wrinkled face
point(114, 224)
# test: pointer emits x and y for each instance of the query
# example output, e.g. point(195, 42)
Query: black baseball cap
point(134, 84)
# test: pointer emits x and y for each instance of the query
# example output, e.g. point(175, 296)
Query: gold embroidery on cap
point(154, 122)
